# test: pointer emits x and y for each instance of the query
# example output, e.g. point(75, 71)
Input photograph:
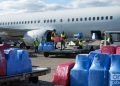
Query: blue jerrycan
point(114, 72)
point(79, 73)
point(98, 73)
point(92, 54)
point(12, 64)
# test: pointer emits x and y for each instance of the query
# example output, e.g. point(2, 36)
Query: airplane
point(38, 24)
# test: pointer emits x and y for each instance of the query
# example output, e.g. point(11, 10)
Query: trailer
point(66, 52)
point(30, 76)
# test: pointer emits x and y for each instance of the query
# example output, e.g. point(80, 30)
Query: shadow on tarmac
point(40, 83)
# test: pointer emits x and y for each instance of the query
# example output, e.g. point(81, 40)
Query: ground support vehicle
point(31, 76)
point(65, 52)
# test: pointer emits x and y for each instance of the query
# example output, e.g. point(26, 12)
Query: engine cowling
point(30, 36)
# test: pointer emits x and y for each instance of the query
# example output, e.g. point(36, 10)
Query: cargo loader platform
point(31, 76)
point(66, 52)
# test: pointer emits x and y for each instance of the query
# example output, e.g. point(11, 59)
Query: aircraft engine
point(30, 36)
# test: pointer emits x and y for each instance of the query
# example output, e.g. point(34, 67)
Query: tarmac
point(52, 62)
point(41, 61)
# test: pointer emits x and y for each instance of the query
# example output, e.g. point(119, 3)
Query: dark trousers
point(62, 44)
point(36, 49)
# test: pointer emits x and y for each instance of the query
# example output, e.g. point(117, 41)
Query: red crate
point(118, 50)
point(2, 64)
point(4, 46)
point(108, 49)
point(61, 76)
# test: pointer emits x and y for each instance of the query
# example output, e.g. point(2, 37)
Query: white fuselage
point(70, 21)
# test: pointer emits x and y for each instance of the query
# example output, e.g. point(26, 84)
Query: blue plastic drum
point(12, 64)
point(114, 72)
point(98, 73)
point(79, 73)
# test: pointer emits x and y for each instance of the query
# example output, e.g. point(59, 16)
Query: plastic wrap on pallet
point(24, 61)
point(98, 72)
point(17, 61)
point(12, 63)
point(80, 71)
point(108, 49)
point(61, 76)
point(46, 46)
point(114, 72)
point(40, 47)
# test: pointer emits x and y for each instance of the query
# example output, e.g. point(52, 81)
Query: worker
point(36, 44)
point(80, 43)
point(63, 38)
point(53, 35)
point(109, 39)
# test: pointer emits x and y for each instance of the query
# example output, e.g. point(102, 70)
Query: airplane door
point(47, 36)
point(97, 34)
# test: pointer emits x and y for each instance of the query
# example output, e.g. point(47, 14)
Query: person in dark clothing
point(53, 35)
point(63, 37)
point(36, 44)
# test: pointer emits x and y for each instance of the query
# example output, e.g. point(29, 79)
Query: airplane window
point(28, 22)
point(89, 18)
point(106, 17)
point(54, 20)
point(68, 20)
point(47, 21)
point(44, 21)
point(102, 18)
point(31, 22)
point(76, 19)
point(81, 19)
point(61, 20)
point(85, 18)
point(19, 22)
point(98, 18)
point(51, 20)
point(22, 22)
point(3, 23)
point(38, 21)
point(93, 18)
point(8, 23)
point(16, 22)
point(111, 17)
point(34, 21)
point(11, 22)
point(25, 22)
point(72, 19)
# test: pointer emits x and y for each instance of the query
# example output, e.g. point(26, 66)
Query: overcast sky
point(19, 6)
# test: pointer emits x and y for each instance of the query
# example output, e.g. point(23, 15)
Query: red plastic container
point(2, 64)
point(4, 46)
point(108, 49)
point(118, 50)
point(57, 39)
point(61, 76)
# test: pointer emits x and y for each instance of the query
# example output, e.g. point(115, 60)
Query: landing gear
point(22, 45)
point(46, 54)
point(27, 47)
